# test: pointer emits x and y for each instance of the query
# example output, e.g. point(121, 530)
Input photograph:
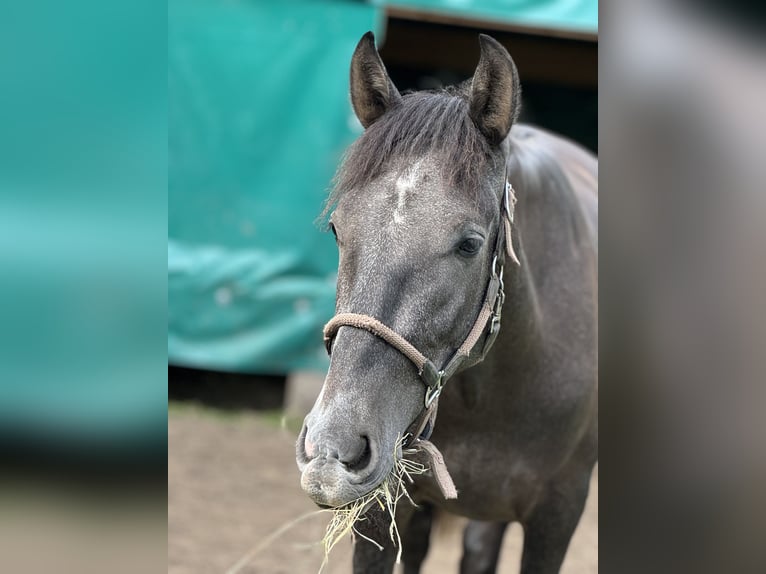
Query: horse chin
point(329, 484)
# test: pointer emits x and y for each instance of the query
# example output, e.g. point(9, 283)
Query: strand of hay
point(258, 548)
point(387, 495)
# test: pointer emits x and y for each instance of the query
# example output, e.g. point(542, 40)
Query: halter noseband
point(490, 314)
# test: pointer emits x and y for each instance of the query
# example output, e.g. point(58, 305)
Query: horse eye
point(470, 246)
point(335, 233)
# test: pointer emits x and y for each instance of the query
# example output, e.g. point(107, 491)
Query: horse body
point(518, 431)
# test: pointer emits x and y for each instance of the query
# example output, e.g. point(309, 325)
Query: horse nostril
point(309, 448)
point(362, 458)
point(305, 449)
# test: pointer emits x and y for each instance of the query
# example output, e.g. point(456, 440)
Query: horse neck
point(552, 236)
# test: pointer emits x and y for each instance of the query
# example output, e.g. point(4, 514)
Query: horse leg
point(368, 558)
point(549, 528)
point(481, 547)
point(416, 538)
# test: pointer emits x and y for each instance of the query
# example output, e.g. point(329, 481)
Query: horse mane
point(426, 122)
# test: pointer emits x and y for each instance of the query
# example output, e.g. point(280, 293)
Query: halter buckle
point(432, 393)
point(494, 326)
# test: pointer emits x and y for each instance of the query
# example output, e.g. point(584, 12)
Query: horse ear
point(372, 91)
point(495, 98)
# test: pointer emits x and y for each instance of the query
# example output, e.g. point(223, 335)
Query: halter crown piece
point(487, 323)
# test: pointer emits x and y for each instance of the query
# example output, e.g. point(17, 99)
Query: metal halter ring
point(494, 267)
point(432, 393)
point(497, 305)
point(497, 311)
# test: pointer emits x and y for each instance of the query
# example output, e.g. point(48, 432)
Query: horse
point(448, 213)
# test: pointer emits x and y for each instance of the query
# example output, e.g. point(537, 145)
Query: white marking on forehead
point(405, 183)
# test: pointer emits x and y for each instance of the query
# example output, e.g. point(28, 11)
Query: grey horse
point(421, 211)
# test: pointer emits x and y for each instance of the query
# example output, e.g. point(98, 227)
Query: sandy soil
point(232, 482)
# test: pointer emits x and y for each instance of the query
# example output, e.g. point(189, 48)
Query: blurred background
point(114, 116)
point(258, 120)
point(259, 117)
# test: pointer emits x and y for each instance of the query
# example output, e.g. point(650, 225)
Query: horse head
point(417, 210)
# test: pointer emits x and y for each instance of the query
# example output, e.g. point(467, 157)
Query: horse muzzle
point(333, 473)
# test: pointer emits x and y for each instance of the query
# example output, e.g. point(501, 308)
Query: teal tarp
point(258, 119)
point(577, 15)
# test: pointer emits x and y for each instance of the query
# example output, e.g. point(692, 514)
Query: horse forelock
point(432, 123)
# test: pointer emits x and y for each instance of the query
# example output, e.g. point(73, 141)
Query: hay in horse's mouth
point(386, 495)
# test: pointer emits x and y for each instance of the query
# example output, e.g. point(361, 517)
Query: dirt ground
point(233, 482)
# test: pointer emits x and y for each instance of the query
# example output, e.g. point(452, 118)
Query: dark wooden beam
point(425, 41)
